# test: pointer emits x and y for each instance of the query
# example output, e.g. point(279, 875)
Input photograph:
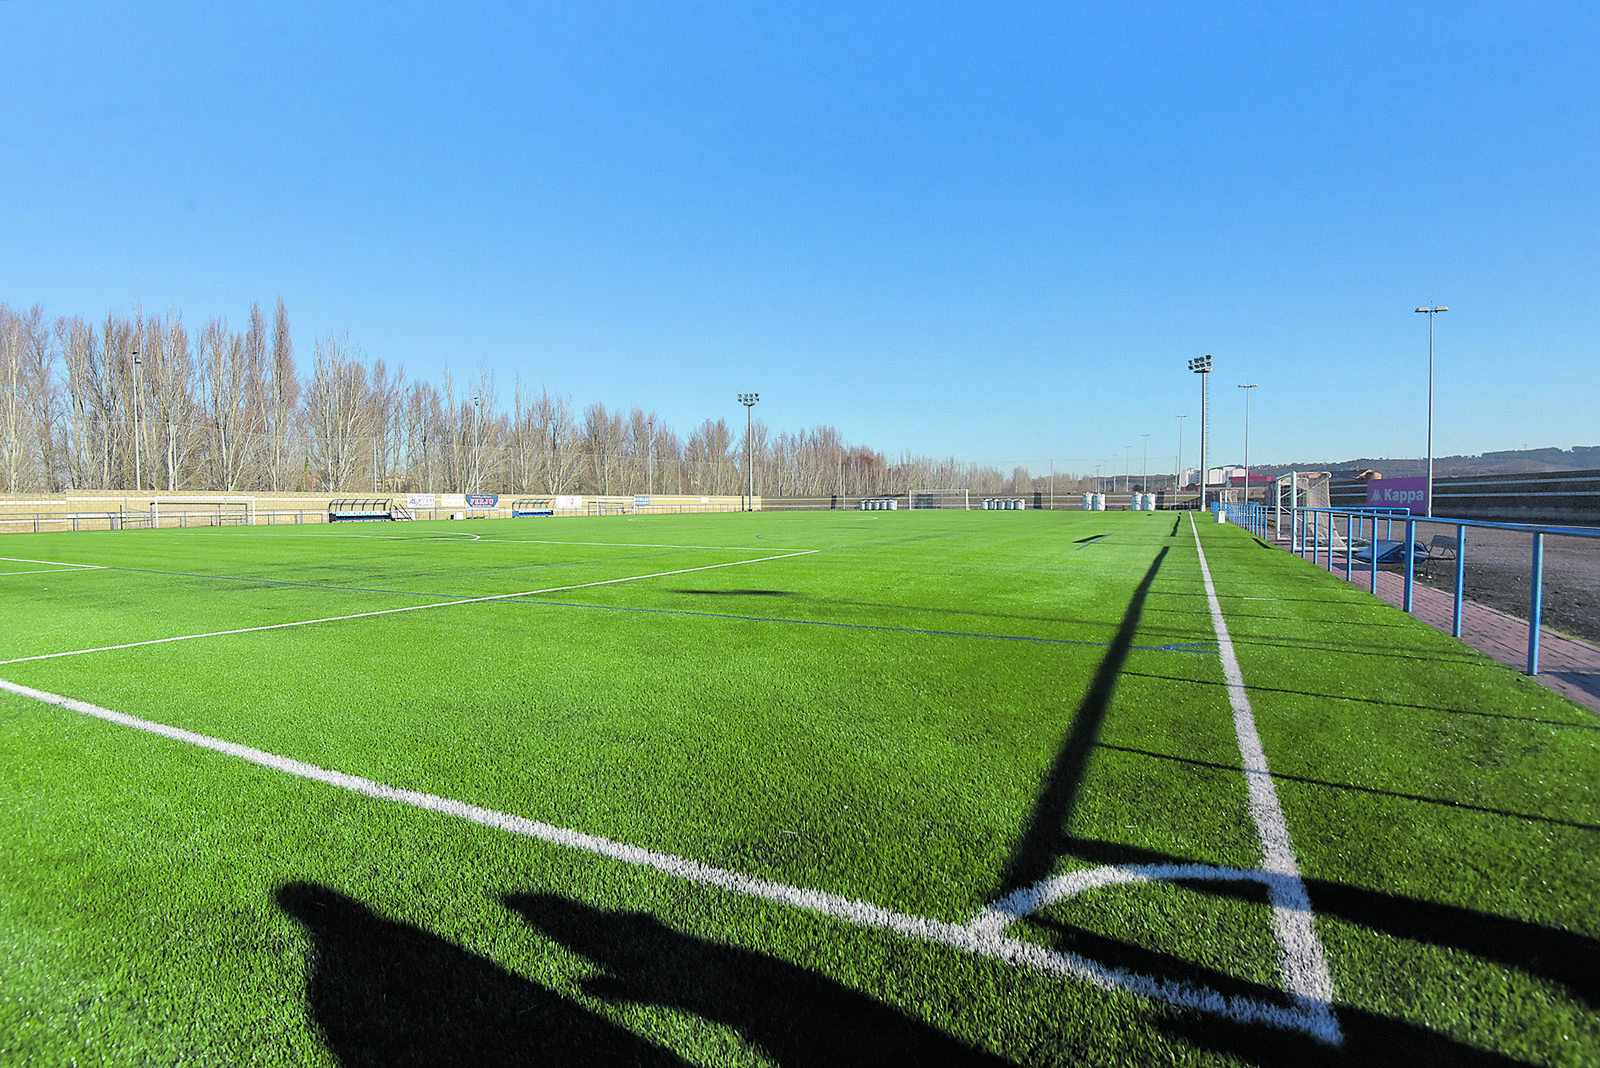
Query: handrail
point(1536, 531)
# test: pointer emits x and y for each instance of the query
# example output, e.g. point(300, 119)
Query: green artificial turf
point(922, 712)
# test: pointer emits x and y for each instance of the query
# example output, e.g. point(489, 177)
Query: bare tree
point(706, 459)
point(336, 413)
point(283, 403)
point(384, 422)
point(14, 472)
point(553, 418)
point(233, 369)
point(602, 444)
point(169, 374)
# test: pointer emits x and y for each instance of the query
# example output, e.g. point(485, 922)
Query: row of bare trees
point(148, 402)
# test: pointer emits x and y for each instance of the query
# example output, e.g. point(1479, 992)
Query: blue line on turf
point(1208, 648)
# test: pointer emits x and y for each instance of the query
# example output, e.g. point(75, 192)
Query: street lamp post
point(749, 401)
point(1127, 468)
point(1146, 476)
point(1247, 387)
point(1201, 365)
point(1430, 313)
point(477, 418)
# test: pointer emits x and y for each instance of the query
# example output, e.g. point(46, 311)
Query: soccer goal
point(203, 512)
point(1302, 490)
point(941, 498)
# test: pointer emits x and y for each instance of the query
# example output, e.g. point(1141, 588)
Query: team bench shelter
point(356, 509)
point(533, 507)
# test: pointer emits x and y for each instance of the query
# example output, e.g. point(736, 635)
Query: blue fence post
point(1372, 544)
point(1461, 578)
point(1411, 564)
point(1349, 546)
point(1535, 602)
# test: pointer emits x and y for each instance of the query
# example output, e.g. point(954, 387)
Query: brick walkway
point(1570, 668)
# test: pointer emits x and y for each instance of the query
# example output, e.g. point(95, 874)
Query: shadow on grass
point(1278, 776)
point(1364, 698)
point(795, 1016)
point(735, 593)
point(1560, 957)
point(1034, 855)
point(384, 993)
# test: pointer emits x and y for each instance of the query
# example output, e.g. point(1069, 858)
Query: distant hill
point(1512, 462)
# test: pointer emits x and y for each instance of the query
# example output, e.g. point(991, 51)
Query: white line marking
point(1304, 965)
point(223, 532)
point(50, 571)
point(53, 563)
point(393, 611)
point(977, 937)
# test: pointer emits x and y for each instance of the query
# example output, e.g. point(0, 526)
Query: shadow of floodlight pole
point(1035, 852)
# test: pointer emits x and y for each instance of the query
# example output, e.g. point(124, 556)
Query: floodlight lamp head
point(748, 399)
point(1200, 365)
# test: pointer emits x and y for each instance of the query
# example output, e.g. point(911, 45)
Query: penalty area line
point(395, 611)
point(977, 937)
point(1304, 966)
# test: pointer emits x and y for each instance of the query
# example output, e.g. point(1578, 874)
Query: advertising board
point(1409, 493)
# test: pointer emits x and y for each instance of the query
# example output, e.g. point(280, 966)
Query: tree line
point(150, 403)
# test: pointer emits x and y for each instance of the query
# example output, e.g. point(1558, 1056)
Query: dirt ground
point(1499, 563)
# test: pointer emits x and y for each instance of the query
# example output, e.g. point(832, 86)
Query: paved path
point(1570, 668)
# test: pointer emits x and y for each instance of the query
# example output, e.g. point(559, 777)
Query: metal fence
point(1358, 530)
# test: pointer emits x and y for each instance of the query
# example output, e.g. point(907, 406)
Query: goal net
point(202, 511)
point(1301, 490)
point(940, 498)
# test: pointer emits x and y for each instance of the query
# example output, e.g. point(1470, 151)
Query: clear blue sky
point(995, 231)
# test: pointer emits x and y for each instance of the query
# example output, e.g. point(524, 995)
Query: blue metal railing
point(1361, 527)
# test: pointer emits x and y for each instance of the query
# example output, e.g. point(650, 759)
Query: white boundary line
point(64, 565)
point(1304, 966)
point(978, 937)
point(393, 611)
point(49, 571)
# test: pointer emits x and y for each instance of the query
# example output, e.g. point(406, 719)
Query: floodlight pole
point(749, 401)
point(1430, 313)
point(1127, 468)
point(1146, 476)
point(1201, 365)
point(1247, 387)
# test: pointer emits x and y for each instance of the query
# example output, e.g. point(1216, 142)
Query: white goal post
point(1305, 489)
point(203, 511)
point(940, 498)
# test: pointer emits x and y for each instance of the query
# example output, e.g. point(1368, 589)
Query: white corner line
point(394, 611)
point(1304, 965)
point(977, 937)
